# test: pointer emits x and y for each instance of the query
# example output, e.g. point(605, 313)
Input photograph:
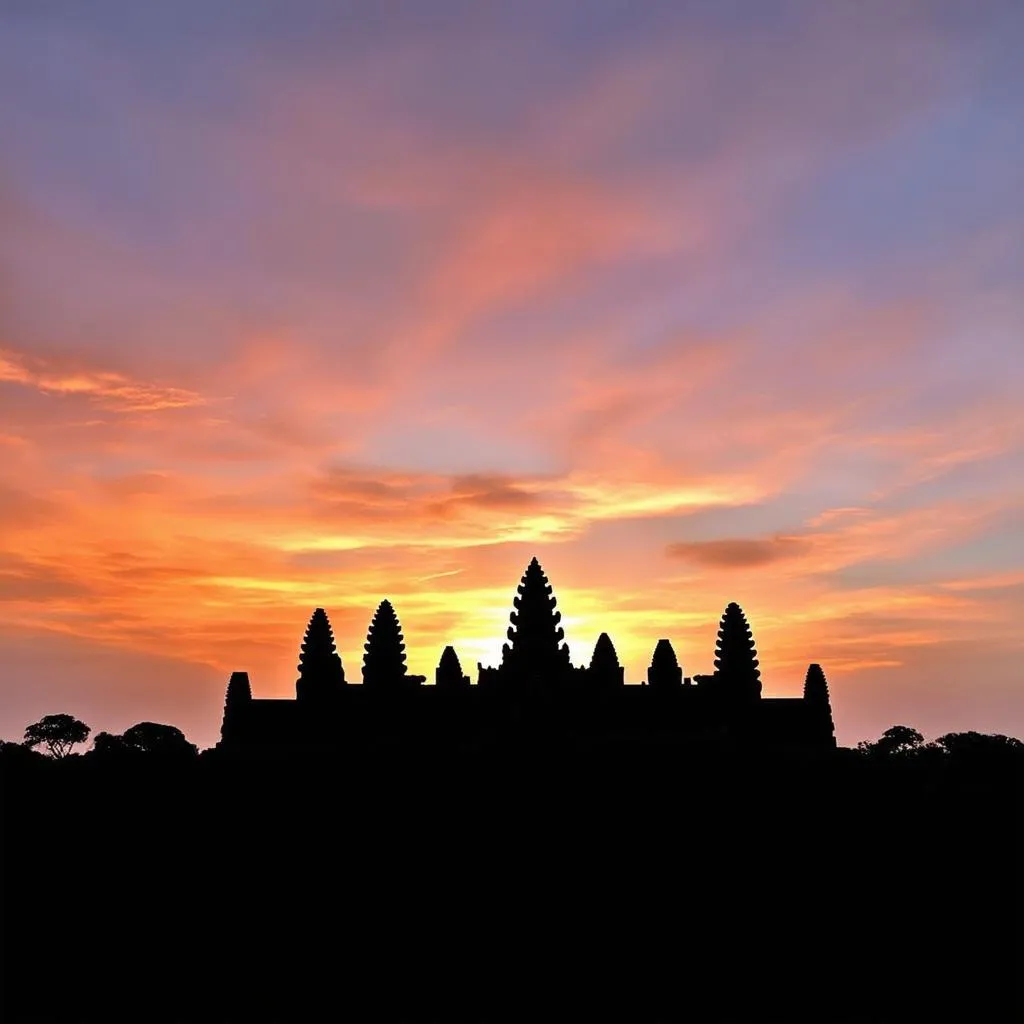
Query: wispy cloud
point(107, 388)
point(739, 553)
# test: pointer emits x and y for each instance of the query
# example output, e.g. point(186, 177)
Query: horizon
point(314, 305)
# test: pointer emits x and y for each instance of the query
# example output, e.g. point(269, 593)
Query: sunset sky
point(318, 303)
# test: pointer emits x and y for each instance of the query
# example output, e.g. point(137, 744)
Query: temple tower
point(449, 672)
point(816, 694)
point(737, 676)
point(664, 672)
point(384, 661)
point(239, 689)
point(605, 672)
point(236, 701)
point(535, 655)
point(321, 674)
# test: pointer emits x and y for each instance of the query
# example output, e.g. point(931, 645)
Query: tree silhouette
point(108, 744)
point(18, 755)
point(58, 733)
point(980, 745)
point(896, 740)
point(736, 662)
point(664, 672)
point(605, 671)
point(384, 661)
point(158, 740)
point(535, 648)
point(449, 671)
point(320, 670)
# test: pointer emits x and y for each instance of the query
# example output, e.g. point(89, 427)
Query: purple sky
point(316, 303)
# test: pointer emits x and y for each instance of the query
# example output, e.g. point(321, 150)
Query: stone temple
point(534, 691)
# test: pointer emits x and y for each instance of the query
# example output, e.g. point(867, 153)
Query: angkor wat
point(545, 843)
point(534, 690)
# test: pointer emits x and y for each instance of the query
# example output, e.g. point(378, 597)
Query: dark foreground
point(524, 883)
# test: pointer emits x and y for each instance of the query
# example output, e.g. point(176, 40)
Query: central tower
point(535, 656)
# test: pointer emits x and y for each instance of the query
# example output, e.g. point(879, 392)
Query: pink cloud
point(107, 388)
point(741, 553)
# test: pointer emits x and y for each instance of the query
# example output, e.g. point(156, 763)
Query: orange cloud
point(109, 389)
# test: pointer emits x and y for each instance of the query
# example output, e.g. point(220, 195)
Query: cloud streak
point(742, 553)
point(107, 388)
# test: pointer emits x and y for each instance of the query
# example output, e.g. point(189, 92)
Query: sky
point(312, 304)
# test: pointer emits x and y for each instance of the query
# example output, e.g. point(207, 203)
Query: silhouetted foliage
point(320, 670)
point(19, 755)
point(384, 661)
point(736, 662)
point(535, 648)
point(664, 672)
point(106, 745)
point(58, 733)
point(449, 671)
point(156, 740)
point(976, 745)
point(896, 740)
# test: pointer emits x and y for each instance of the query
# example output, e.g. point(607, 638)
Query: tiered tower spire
point(449, 671)
point(236, 700)
point(384, 661)
point(736, 672)
point(664, 672)
point(605, 672)
point(239, 689)
point(320, 670)
point(536, 649)
point(816, 694)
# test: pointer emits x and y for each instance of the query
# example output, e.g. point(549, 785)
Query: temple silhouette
point(534, 692)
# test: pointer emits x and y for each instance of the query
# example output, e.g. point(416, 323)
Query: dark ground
point(519, 882)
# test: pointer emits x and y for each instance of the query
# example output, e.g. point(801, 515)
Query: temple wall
point(425, 714)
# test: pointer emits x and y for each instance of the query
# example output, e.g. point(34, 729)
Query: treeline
point(58, 735)
point(906, 743)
